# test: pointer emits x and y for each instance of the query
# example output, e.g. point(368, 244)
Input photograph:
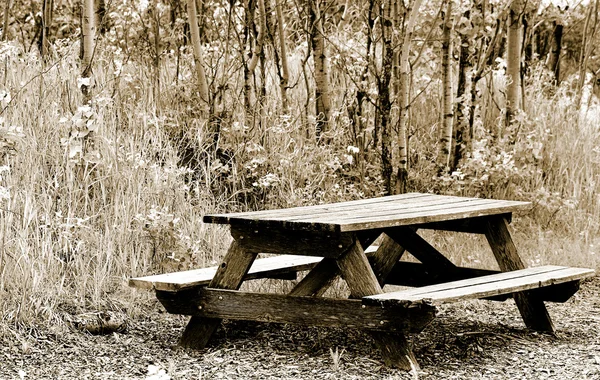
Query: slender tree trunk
point(555, 50)
point(384, 103)
point(485, 56)
point(462, 135)
point(361, 91)
point(321, 67)
point(410, 18)
point(445, 141)
point(157, 49)
point(202, 82)
point(587, 45)
point(256, 51)
point(285, 71)
point(513, 60)
point(6, 20)
point(88, 31)
point(46, 22)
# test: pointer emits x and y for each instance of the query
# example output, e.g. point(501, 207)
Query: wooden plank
point(280, 308)
point(361, 280)
point(532, 309)
point(500, 276)
point(280, 241)
point(385, 219)
point(484, 286)
point(351, 216)
point(306, 210)
point(270, 267)
point(384, 258)
point(230, 275)
point(417, 217)
point(364, 210)
point(467, 225)
point(418, 275)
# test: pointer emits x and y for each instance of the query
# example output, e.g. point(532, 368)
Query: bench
point(284, 267)
point(528, 279)
point(281, 267)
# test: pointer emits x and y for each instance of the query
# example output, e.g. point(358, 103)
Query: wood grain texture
point(230, 275)
point(467, 225)
point(421, 249)
point(532, 309)
point(320, 278)
point(418, 275)
point(385, 258)
point(480, 287)
point(280, 241)
point(361, 280)
point(280, 308)
point(270, 267)
point(398, 210)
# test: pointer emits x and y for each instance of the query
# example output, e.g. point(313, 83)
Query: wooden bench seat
point(271, 267)
point(482, 287)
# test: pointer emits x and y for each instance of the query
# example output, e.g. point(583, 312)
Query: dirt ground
point(468, 340)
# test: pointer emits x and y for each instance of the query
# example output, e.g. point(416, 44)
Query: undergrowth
point(74, 227)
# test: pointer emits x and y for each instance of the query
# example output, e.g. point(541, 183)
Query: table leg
point(320, 278)
point(532, 309)
point(230, 275)
point(361, 280)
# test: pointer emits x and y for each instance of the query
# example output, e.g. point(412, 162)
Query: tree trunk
point(410, 17)
point(256, 51)
point(46, 21)
point(463, 137)
point(157, 52)
point(6, 20)
point(285, 71)
point(513, 60)
point(587, 45)
point(484, 57)
point(88, 32)
point(321, 67)
point(384, 104)
point(555, 50)
point(198, 56)
point(445, 141)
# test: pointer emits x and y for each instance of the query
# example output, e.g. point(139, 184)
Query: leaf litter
point(468, 340)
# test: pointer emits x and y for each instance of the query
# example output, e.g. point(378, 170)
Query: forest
point(123, 122)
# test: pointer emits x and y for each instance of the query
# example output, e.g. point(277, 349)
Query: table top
point(366, 214)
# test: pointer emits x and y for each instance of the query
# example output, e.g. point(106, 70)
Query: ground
point(468, 340)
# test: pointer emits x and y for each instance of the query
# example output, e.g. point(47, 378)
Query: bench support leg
point(361, 280)
point(322, 276)
point(230, 275)
point(532, 309)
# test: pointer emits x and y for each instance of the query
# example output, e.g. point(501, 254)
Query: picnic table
point(333, 240)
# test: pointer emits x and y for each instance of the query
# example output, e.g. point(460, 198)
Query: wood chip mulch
point(469, 340)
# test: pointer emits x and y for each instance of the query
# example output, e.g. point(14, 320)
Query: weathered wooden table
point(339, 234)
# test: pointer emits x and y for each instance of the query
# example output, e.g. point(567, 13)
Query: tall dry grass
point(73, 231)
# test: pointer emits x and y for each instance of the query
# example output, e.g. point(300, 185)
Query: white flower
point(87, 82)
point(352, 149)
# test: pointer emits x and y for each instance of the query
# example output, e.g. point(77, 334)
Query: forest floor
point(468, 340)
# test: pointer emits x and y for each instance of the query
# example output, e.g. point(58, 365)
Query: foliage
point(76, 222)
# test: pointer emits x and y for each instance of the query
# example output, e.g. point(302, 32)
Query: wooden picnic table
point(340, 233)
